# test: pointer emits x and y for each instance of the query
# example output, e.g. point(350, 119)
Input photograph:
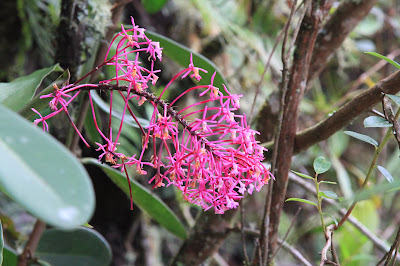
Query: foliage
point(126, 126)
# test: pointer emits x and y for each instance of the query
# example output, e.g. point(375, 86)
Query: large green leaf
point(42, 175)
point(37, 103)
point(10, 257)
point(153, 6)
point(144, 199)
point(181, 55)
point(17, 93)
point(81, 246)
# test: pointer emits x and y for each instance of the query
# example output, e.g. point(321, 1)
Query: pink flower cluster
point(206, 150)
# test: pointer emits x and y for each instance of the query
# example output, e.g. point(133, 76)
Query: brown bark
point(347, 113)
point(310, 26)
point(71, 34)
point(205, 238)
point(336, 29)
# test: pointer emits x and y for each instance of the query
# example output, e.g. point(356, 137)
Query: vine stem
point(319, 207)
point(31, 245)
point(371, 168)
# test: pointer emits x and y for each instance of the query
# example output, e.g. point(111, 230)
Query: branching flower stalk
point(206, 150)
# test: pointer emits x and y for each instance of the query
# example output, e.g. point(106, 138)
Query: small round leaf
point(321, 165)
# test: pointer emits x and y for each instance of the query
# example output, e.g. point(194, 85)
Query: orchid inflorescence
point(206, 150)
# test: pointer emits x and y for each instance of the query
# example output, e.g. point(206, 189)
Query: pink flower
point(195, 70)
point(206, 150)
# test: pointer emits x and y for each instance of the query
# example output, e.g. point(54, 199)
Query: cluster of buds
point(206, 150)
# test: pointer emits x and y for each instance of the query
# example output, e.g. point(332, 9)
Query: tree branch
point(347, 113)
point(310, 26)
point(335, 30)
point(205, 238)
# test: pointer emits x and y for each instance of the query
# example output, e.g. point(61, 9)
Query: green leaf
point(10, 257)
point(390, 61)
point(181, 55)
point(81, 246)
point(394, 98)
point(153, 6)
point(376, 121)
point(17, 93)
point(1, 244)
point(330, 195)
point(37, 103)
point(303, 175)
point(386, 174)
point(362, 137)
point(302, 200)
point(41, 175)
point(333, 218)
point(144, 199)
point(321, 165)
point(328, 182)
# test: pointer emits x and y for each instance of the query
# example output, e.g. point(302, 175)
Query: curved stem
point(31, 245)
point(371, 168)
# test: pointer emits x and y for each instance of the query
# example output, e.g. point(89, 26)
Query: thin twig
point(256, 234)
point(287, 233)
point(328, 235)
point(278, 39)
point(246, 257)
point(295, 253)
point(31, 245)
point(395, 246)
point(264, 237)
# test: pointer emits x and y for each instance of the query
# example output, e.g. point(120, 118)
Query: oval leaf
point(386, 174)
point(376, 121)
point(362, 137)
point(81, 246)
point(144, 199)
point(394, 98)
point(330, 195)
point(17, 93)
point(42, 175)
point(302, 200)
point(321, 165)
point(303, 175)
